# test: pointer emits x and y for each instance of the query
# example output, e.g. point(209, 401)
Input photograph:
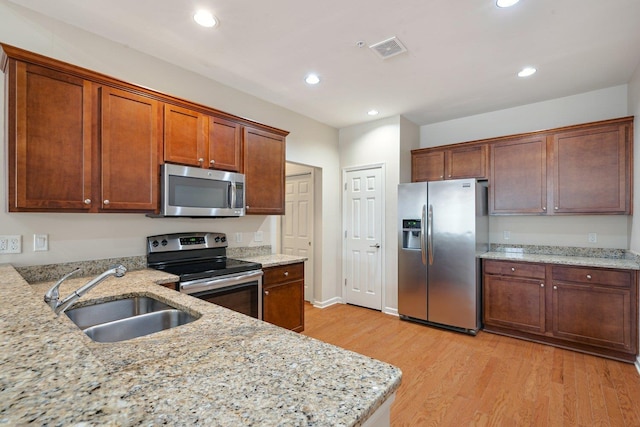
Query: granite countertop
point(585, 261)
point(273, 260)
point(223, 369)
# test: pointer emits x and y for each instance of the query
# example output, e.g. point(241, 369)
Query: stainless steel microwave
point(196, 192)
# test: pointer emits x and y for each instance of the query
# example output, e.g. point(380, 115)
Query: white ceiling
point(462, 59)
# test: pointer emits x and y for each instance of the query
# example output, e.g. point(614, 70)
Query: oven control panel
point(185, 241)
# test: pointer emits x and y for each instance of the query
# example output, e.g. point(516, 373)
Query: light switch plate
point(258, 236)
point(40, 242)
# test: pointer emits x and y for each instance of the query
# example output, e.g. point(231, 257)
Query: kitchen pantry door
point(363, 237)
point(297, 224)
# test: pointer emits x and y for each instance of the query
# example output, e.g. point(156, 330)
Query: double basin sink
point(127, 318)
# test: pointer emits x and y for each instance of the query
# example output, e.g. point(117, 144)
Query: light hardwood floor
point(450, 379)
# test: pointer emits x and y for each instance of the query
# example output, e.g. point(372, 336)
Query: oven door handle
point(220, 282)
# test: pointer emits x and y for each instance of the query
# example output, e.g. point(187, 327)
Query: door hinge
point(345, 234)
point(345, 282)
point(345, 186)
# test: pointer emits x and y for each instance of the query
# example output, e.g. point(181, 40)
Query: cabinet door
point(50, 141)
point(519, 176)
point(130, 139)
point(184, 136)
point(263, 159)
point(467, 162)
point(595, 315)
point(514, 303)
point(427, 166)
point(283, 305)
point(224, 144)
point(591, 170)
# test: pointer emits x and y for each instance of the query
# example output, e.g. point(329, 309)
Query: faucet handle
point(52, 295)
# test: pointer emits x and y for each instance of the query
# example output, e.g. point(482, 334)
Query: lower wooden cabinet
point(283, 296)
point(589, 309)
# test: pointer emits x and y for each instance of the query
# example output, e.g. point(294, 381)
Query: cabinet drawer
point(516, 269)
point(620, 278)
point(283, 273)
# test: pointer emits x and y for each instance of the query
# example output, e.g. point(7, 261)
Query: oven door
point(240, 292)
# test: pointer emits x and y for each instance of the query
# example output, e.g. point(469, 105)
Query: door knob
point(377, 245)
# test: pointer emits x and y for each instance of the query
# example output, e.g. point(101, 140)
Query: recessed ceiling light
point(205, 18)
point(527, 71)
point(506, 3)
point(312, 79)
point(372, 112)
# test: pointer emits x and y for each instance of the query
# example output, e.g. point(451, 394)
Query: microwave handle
point(232, 195)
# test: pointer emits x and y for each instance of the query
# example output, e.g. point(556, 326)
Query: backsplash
point(51, 272)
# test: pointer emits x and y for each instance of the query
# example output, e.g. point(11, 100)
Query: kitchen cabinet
point(518, 177)
point(283, 296)
point(49, 139)
point(130, 129)
point(195, 139)
point(57, 162)
point(583, 169)
point(264, 169)
point(591, 169)
point(435, 164)
point(589, 309)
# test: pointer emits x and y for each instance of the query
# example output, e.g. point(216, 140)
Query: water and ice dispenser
point(411, 233)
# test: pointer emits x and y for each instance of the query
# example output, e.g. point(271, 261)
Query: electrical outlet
point(258, 236)
point(592, 237)
point(11, 244)
point(506, 235)
point(40, 242)
point(238, 237)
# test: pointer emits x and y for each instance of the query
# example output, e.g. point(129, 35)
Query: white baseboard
point(390, 310)
point(327, 303)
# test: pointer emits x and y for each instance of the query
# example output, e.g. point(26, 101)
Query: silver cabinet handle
point(286, 273)
point(589, 276)
point(377, 245)
point(542, 285)
point(106, 202)
point(556, 208)
point(87, 201)
point(212, 162)
point(266, 292)
point(513, 269)
point(200, 160)
point(544, 208)
point(555, 288)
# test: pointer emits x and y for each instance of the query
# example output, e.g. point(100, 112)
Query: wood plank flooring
point(450, 379)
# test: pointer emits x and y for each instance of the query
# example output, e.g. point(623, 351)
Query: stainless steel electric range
point(200, 260)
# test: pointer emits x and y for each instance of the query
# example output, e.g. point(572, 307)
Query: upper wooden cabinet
point(435, 164)
point(263, 154)
point(518, 178)
point(81, 141)
point(584, 169)
point(130, 129)
point(196, 139)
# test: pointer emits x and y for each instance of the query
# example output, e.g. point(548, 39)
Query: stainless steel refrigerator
point(443, 225)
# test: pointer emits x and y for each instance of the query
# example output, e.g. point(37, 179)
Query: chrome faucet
point(52, 296)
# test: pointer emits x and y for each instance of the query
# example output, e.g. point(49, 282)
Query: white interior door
point(297, 225)
point(363, 237)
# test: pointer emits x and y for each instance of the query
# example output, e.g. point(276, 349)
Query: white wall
point(380, 142)
point(93, 236)
point(634, 109)
point(612, 231)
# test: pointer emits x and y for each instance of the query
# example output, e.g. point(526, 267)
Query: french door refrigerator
point(443, 226)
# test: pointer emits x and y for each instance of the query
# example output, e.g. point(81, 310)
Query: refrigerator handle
point(423, 234)
point(430, 235)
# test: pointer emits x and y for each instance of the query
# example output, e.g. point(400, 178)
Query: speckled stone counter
point(587, 257)
point(273, 260)
point(224, 369)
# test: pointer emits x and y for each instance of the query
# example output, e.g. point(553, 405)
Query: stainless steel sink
point(127, 318)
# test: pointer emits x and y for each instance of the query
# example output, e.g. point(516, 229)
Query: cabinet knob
point(200, 160)
point(87, 201)
point(556, 208)
point(247, 207)
point(286, 273)
point(266, 292)
point(555, 288)
point(544, 208)
point(513, 269)
point(212, 162)
point(589, 276)
point(449, 175)
point(106, 202)
point(542, 285)
point(441, 176)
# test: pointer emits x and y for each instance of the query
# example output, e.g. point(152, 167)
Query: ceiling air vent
point(388, 48)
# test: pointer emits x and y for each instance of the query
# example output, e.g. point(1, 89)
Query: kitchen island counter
point(223, 369)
